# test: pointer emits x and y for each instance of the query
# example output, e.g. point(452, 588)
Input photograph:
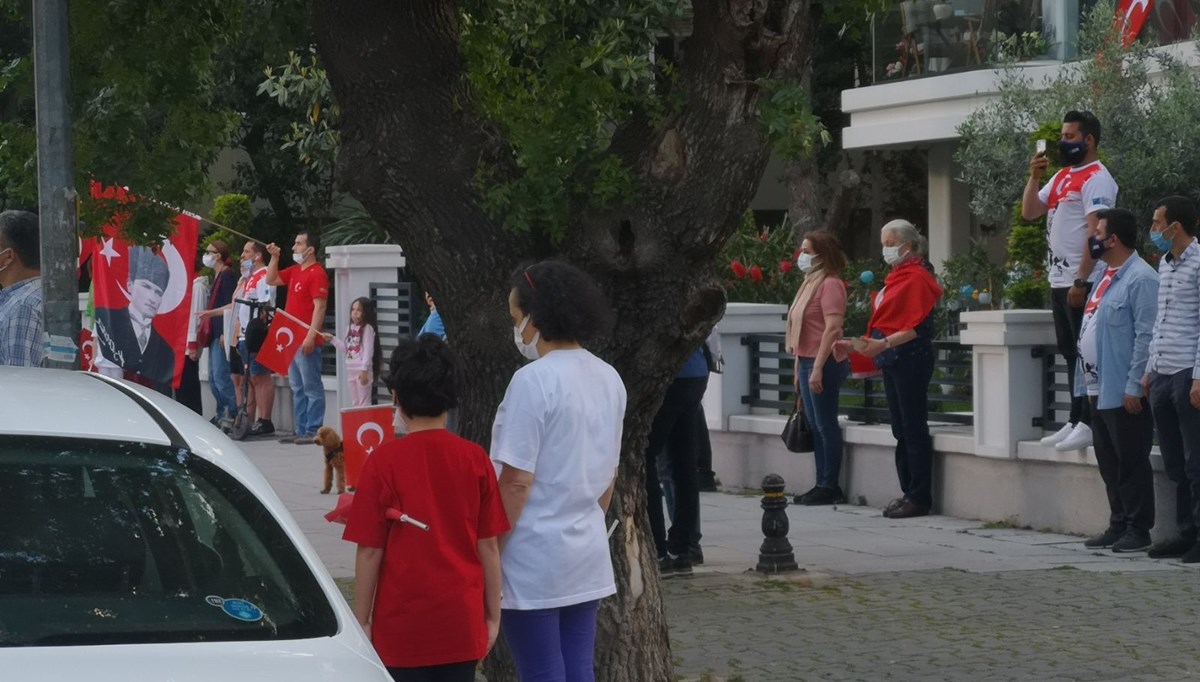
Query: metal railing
point(862, 400)
point(1056, 392)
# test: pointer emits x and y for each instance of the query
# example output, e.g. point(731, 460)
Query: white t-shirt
point(561, 419)
point(253, 288)
point(1071, 195)
point(1089, 352)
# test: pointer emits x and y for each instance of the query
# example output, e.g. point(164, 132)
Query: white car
point(138, 543)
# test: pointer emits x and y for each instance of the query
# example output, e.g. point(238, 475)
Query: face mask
point(1096, 247)
point(247, 265)
point(209, 260)
point(891, 254)
point(9, 263)
point(805, 262)
point(1161, 242)
point(298, 257)
point(1072, 153)
point(528, 350)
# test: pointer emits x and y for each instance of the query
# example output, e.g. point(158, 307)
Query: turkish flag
point(1130, 17)
point(87, 350)
point(284, 338)
point(143, 296)
point(363, 430)
point(862, 367)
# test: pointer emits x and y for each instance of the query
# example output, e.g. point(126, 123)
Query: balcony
point(923, 38)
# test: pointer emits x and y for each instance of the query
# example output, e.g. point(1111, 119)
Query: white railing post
point(1008, 379)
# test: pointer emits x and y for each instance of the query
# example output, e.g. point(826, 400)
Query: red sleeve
point(492, 519)
point(367, 525)
point(320, 283)
point(286, 273)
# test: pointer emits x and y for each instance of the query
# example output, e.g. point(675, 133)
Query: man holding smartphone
point(1070, 201)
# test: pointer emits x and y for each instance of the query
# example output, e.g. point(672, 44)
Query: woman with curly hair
point(556, 445)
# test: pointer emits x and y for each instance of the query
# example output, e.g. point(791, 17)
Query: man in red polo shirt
point(307, 295)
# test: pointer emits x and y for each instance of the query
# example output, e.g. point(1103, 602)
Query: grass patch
point(1006, 522)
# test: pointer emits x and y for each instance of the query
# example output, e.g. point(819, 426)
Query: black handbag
point(797, 433)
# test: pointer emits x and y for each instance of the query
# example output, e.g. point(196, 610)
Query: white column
point(724, 395)
point(355, 268)
point(1009, 390)
point(949, 206)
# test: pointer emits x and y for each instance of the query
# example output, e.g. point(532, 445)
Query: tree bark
point(411, 143)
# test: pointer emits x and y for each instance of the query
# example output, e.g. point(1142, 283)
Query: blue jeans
point(220, 380)
point(907, 385)
point(308, 393)
point(552, 645)
point(822, 412)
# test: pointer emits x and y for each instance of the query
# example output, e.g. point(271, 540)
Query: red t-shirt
point(304, 285)
point(429, 603)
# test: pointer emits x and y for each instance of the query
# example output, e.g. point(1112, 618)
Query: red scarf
point(909, 294)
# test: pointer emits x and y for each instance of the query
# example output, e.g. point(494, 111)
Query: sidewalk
point(843, 541)
point(934, 598)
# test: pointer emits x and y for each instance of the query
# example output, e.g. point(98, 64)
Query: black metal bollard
point(775, 555)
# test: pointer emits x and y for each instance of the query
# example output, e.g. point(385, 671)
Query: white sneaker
point(1080, 438)
point(1059, 436)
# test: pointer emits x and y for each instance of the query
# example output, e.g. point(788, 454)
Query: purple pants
point(552, 645)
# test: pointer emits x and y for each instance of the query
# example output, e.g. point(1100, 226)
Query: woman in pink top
point(814, 324)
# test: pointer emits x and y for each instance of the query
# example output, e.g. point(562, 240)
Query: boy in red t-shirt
point(427, 588)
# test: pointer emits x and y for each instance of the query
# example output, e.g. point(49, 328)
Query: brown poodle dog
point(329, 439)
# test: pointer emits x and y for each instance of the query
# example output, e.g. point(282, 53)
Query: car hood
point(327, 659)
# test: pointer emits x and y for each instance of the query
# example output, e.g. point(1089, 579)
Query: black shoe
point(1170, 549)
point(262, 427)
point(696, 555)
point(671, 566)
point(1192, 556)
point(893, 506)
point(1105, 539)
point(1133, 540)
point(800, 499)
point(908, 510)
point(709, 485)
point(824, 496)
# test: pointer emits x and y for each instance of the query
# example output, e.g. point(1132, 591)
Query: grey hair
point(908, 234)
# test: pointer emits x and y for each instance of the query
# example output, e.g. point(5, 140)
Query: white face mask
point(891, 254)
point(299, 258)
point(209, 260)
point(6, 265)
point(528, 350)
point(805, 262)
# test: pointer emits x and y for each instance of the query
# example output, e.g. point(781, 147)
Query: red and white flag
point(284, 338)
point(143, 297)
point(364, 429)
point(1130, 17)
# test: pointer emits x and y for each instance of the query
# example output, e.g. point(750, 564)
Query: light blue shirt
point(1126, 318)
point(433, 325)
point(21, 324)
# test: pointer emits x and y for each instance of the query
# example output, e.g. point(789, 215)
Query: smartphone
point(1041, 147)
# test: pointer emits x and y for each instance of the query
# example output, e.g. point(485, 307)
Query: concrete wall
point(1041, 488)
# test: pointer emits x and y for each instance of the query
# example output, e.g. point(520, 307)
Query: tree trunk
point(410, 148)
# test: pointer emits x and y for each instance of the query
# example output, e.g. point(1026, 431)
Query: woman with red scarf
point(900, 341)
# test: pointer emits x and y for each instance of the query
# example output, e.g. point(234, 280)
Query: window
point(117, 543)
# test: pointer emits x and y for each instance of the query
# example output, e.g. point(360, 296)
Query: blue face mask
point(1161, 242)
point(1072, 153)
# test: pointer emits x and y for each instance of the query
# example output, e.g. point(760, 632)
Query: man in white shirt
point(1172, 380)
point(1070, 202)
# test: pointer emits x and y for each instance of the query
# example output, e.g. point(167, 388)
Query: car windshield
point(118, 543)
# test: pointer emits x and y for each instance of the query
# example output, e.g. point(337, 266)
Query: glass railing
point(921, 38)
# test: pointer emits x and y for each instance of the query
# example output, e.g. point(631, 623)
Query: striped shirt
point(1174, 347)
point(21, 341)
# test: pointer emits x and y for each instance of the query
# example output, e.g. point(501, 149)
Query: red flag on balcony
point(364, 429)
point(284, 338)
point(1130, 18)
